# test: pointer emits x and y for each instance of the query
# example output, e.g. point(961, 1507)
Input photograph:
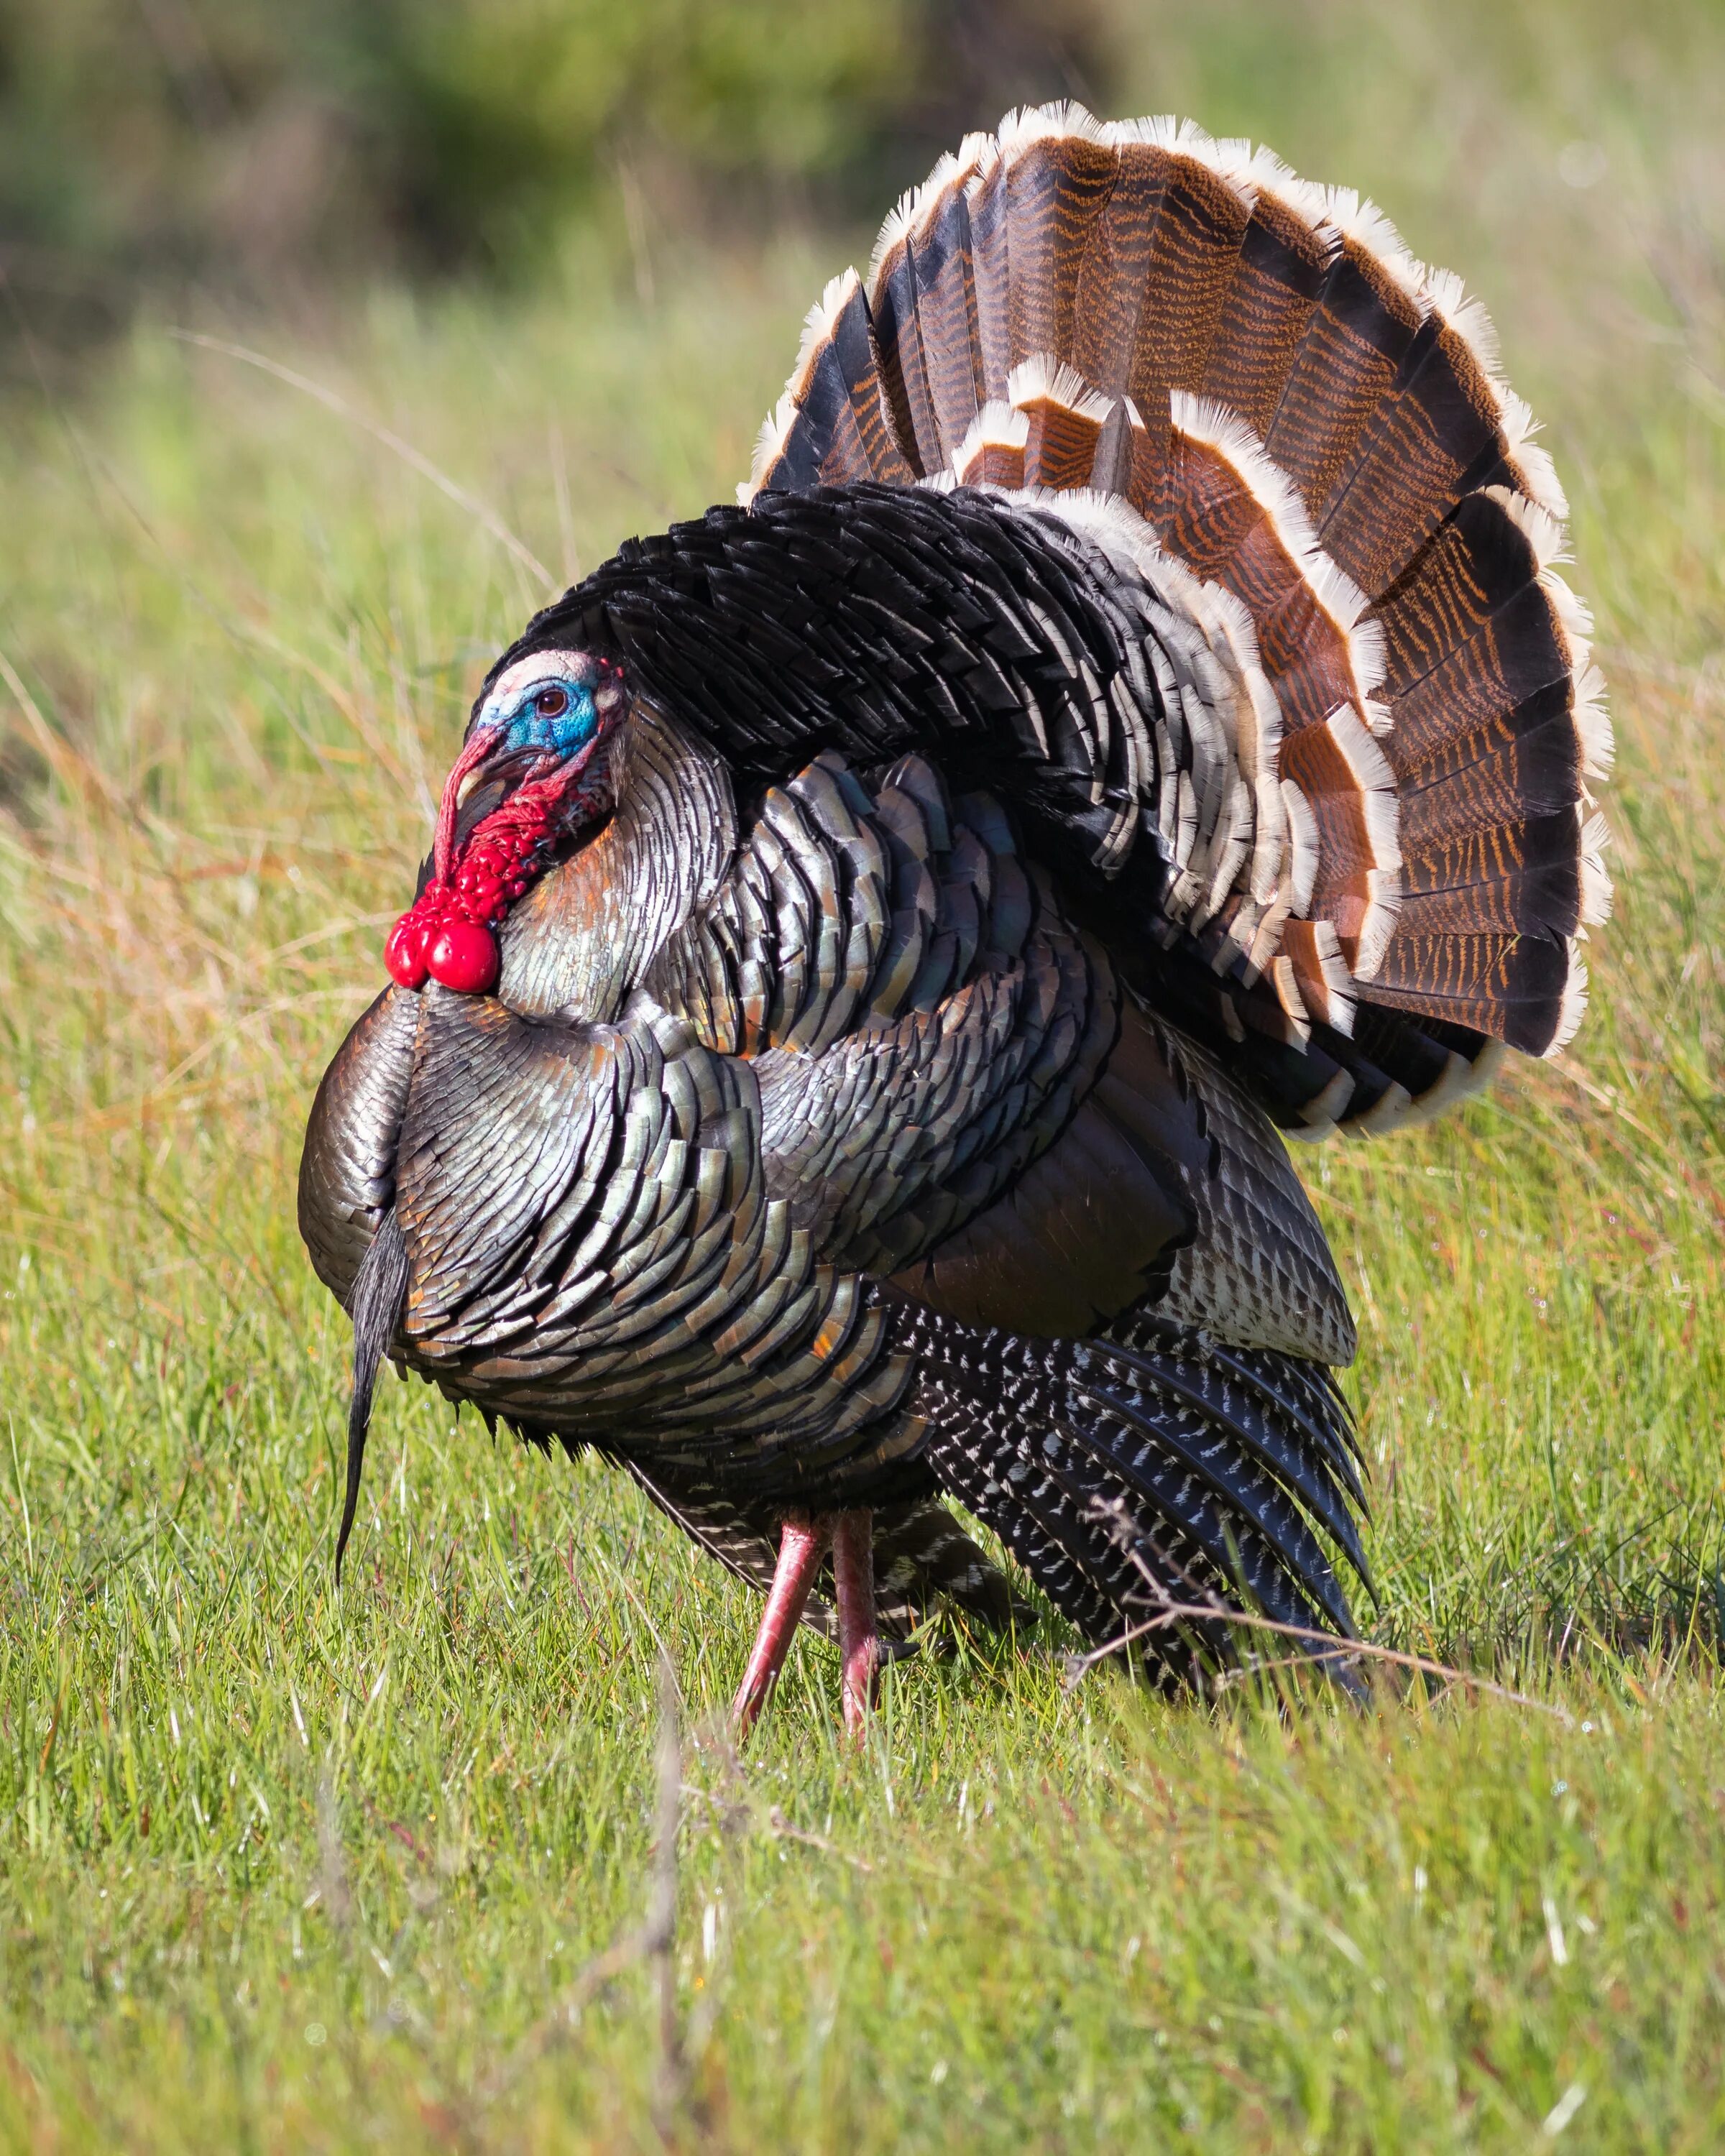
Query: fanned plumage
point(1311, 420)
point(1133, 710)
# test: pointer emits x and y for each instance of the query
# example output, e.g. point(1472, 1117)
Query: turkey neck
point(578, 943)
point(574, 948)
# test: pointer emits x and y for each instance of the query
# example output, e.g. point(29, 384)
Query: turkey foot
point(853, 1587)
point(802, 1543)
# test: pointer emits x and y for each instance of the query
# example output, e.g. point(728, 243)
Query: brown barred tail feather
point(1199, 359)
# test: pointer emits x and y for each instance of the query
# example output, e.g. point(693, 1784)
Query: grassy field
point(283, 1869)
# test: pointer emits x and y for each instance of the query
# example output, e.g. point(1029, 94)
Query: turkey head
point(578, 827)
point(533, 778)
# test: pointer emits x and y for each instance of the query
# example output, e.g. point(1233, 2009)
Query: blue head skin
point(550, 718)
point(542, 718)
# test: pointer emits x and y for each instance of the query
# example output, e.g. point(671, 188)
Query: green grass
point(283, 1869)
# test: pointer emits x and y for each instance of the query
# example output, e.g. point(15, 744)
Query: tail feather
point(1233, 520)
point(1202, 212)
point(1477, 621)
point(1415, 1067)
point(1108, 300)
point(904, 371)
point(1531, 991)
point(947, 311)
point(1361, 328)
point(1284, 259)
point(832, 423)
point(1431, 1066)
point(1312, 422)
point(987, 211)
point(1061, 171)
point(1438, 419)
point(1062, 423)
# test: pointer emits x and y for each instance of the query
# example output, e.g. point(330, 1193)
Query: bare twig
point(658, 1932)
point(654, 1940)
point(742, 1813)
point(1213, 1610)
point(786, 1832)
point(1176, 1612)
point(331, 1865)
point(405, 450)
point(585, 1985)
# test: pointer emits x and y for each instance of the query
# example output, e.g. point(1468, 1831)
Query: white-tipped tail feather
point(1573, 1007)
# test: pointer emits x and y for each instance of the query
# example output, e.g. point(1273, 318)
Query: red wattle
point(446, 935)
point(404, 953)
point(463, 956)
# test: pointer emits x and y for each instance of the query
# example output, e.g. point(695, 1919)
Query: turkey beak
point(480, 743)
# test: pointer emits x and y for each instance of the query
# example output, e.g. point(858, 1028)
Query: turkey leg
point(853, 1589)
point(802, 1543)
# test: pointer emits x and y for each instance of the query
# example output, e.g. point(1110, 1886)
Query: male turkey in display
point(875, 934)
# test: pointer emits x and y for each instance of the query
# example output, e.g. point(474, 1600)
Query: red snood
point(447, 933)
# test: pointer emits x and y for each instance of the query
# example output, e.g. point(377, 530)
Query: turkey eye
point(552, 703)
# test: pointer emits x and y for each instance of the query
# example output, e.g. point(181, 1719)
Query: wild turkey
point(875, 933)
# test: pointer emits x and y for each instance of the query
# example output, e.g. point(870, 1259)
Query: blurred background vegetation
point(254, 144)
point(276, 157)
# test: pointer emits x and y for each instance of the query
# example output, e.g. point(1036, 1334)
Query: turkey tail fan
point(1149, 1468)
point(832, 423)
point(1245, 389)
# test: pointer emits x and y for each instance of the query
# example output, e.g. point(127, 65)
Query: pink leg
point(854, 1586)
point(801, 1545)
